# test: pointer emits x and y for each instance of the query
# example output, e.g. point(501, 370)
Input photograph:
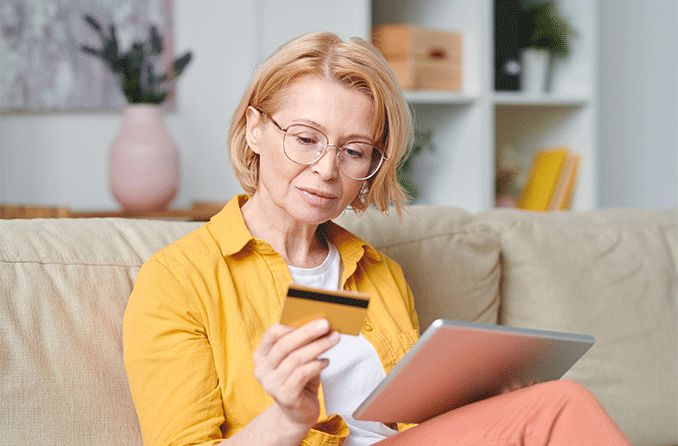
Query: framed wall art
point(43, 68)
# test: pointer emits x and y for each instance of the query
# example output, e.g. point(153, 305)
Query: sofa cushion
point(450, 261)
point(612, 274)
point(64, 288)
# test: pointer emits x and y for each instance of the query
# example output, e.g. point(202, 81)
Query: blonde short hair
point(354, 63)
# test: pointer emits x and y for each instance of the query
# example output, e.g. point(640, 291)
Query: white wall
point(280, 21)
point(61, 158)
point(639, 103)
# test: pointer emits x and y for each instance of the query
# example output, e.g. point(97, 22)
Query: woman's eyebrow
point(319, 126)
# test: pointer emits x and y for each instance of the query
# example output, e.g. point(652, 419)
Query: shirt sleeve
point(410, 307)
point(169, 363)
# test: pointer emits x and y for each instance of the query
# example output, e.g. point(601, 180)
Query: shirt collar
point(228, 227)
point(348, 244)
point(231, 234)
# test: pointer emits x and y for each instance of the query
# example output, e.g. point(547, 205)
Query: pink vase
point(143, 161)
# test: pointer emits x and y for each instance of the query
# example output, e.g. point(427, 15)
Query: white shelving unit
point(438, 97)
point(551, 100)
point(470, 125)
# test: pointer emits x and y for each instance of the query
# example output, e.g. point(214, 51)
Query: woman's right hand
point(287, 366)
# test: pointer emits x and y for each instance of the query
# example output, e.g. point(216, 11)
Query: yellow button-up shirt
point(199, 309)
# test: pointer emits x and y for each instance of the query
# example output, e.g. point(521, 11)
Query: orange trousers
point(553, 413)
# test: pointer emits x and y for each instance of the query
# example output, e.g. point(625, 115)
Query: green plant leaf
point(110, 50)
point(92, 51)
point(177, 68)
point(135, 67)
point(408, 185)
point(181, 63)
point(160, 98)
point(131, 86)
point(114, 40)
point(423, 140)
point(147, 78)
point(91, 21)
point(155, 40)
point(543, 26)
point(135, 58)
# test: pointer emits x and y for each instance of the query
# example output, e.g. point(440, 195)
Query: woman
point(322, 127)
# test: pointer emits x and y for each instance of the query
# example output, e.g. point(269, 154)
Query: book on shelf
point(562, 197)
point(551, 181)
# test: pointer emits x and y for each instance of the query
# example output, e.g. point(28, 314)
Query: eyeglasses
point(303, 144)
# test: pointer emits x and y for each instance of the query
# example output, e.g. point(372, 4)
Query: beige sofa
point(613, 274)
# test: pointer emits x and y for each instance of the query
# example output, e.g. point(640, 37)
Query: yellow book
point(543, 179)
point(569, 191)
point(562, 198)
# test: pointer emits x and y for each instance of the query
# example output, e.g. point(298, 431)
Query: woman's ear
point(254, 128)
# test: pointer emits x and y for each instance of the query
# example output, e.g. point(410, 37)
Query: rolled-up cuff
point(331, 432)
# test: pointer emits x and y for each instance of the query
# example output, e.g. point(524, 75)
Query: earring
point(364, 190)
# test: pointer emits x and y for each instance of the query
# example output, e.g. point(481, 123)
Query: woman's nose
point(328, 164)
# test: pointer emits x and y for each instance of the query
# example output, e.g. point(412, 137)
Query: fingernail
point(334, 336)
point(322, 324)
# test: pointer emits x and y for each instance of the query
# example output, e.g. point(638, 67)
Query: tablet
point(455, 363)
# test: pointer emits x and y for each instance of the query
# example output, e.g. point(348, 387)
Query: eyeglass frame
point(327, 147)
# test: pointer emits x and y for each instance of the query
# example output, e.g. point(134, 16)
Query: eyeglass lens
point(306, 145)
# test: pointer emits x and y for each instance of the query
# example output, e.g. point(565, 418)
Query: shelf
point(517, 99)
point(199, 211)
point(438, 97)
point(531, 99)
point(169, 214)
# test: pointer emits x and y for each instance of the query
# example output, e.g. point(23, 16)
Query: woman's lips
point(317, 198)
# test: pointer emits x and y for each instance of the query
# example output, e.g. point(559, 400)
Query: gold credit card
point(345, 310)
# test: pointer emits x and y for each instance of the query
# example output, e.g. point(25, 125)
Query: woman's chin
point(316, 216)
point(310, 214)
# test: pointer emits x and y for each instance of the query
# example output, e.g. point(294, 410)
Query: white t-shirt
point(354, 369)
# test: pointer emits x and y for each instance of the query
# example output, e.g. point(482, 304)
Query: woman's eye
point(354, 152)
point(307, 140)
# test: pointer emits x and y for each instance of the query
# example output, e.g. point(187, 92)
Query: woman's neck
point(298, 243)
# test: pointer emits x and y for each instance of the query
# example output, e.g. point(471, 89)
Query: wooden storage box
point(421, 75)
point(421, 58)
point(398, 41)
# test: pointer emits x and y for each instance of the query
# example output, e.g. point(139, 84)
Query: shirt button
point(368, 328)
